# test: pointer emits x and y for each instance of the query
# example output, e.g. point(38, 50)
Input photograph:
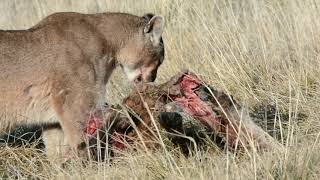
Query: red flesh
point(197, 108)
point(95, 122)
point(193, 104)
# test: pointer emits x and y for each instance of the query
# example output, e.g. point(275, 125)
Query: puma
point(57, 71)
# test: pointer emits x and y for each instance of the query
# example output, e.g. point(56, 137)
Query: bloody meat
point(170, 103)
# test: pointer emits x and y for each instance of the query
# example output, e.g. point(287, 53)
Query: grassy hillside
point(264, 53)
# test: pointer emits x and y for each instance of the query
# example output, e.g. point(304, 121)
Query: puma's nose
point(138, 79)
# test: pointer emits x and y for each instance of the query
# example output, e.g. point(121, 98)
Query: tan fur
point(57, 70)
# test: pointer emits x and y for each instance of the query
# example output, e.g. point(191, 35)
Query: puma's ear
point(155, 28)
point(147, 16)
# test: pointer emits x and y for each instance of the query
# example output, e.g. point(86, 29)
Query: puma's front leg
point(73, 110)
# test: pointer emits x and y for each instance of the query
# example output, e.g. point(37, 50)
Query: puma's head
point(143, 53)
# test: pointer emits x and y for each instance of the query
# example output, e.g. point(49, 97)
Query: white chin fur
point(131, 74)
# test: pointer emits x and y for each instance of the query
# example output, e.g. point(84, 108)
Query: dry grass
point(262, 52)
